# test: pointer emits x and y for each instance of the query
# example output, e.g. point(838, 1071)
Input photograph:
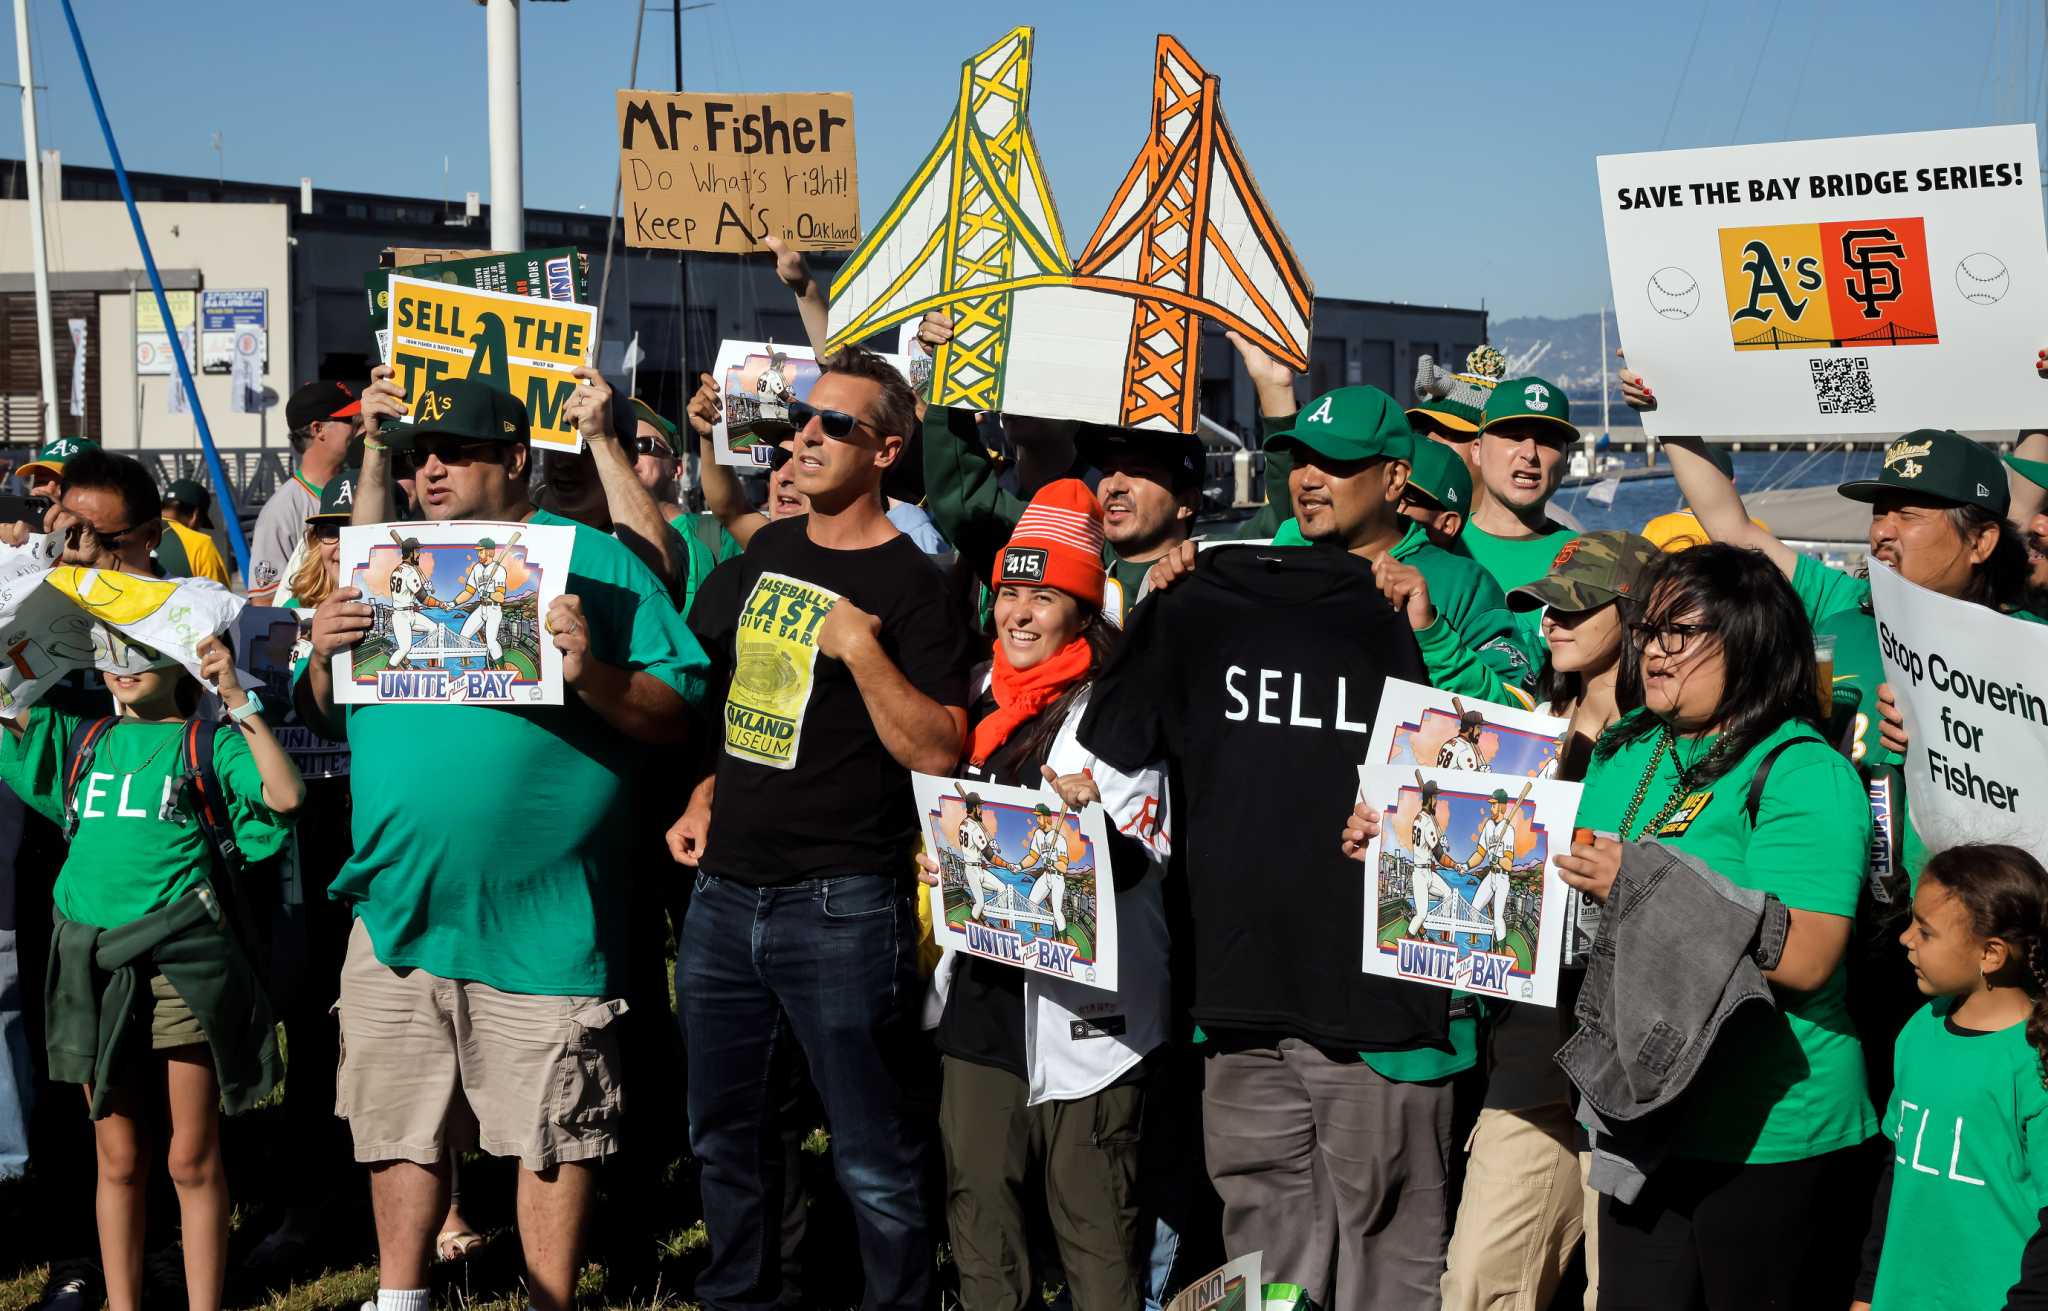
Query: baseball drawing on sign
point(1464, 737)
point(1673, 292)
point(1018, 881)
point(1459, 885)
point(450, 608)
point(756, 389)
point(1982, 278)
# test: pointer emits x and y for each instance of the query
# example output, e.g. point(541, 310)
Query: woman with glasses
point(1717, 701)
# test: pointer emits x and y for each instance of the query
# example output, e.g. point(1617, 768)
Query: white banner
point(1977, 766)
point(78, 327)
point(245, 366)
point(1865, 284)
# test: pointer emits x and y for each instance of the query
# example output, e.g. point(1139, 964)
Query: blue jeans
point(824, 970)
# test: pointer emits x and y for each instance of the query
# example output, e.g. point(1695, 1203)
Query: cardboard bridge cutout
point(1115, 336)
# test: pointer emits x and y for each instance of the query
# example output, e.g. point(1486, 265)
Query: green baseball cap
point(1351, 423)
point(1528, 398)
point(1941, 464)
point(486, 544)
point(2034, 471)
point(186, 492)
point(1439, 473)
point(52, 456)
point(646, 414)
point(337, 499)
point(1501, 794)
point(462, 408)
point(1591, 570)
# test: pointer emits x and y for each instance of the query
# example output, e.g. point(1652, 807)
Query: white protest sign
point(1462, 892)
point(1977, 766)
point(1020, 878)
point(1864, 284)
point(459, 606)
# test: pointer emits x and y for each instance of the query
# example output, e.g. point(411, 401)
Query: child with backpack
point(1968, 1116)
point(152, 998)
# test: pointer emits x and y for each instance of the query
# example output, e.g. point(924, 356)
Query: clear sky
point(1435, 154)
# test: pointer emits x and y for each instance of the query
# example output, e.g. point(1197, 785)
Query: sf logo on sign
point(1872, 256)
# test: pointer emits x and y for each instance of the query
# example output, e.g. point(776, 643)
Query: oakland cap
point(1591, 570)
point(1439, 473)
point(52, 456)
point(337, 499)
point(1528, 398)
point(462, 408)
point(1351, 423)
point(1940, 464)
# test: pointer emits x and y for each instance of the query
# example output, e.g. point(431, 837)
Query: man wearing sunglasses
point(841, 665)
point(518, 926)
point(109, 512)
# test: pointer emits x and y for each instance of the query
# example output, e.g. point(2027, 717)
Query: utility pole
point(508, 203)
point(32, 157)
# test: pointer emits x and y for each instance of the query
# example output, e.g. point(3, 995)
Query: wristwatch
point(248, 710)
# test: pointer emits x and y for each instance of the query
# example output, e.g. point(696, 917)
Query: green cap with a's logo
point(1528, 398)
point(1351, 423)
point(459, 407)
point(52, 456)
point(1942, 465)
point(1439, 473)
point(1591, 570)
point(337, 499)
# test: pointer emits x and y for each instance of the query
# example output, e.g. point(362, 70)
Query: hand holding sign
point(590, 409)
point(383, 400)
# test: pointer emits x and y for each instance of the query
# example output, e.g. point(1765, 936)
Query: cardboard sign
point(1234, 1287)
point(519, 345)
point(556, 273)
point(1866, 284)
point(718, 172)
point(1463, 891)
point(1111, 335)
point(1022, 880)
point(1965, 677)
point(459, 616)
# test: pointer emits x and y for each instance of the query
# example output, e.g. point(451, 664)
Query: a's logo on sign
point(1024, 562)
point(1822, 286)
point(434, 406)
point(1537, 396)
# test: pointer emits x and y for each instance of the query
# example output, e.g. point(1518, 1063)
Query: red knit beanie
point(1058, 543)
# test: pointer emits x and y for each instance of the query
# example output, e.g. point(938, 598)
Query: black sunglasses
point(652, 446)
point(111, 540)
point(779, 456)
point(837, 424)
point(455, 451)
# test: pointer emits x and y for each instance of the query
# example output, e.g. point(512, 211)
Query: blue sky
point(1432, 154)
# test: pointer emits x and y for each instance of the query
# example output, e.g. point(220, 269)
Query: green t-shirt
point(490, 841)
point(1784, 1084)
point(703, 554)
point(1516, 561)
point(126, 860)
point(1969, 1122)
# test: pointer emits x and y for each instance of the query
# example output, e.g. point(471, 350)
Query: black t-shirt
point(805, 787)
point(1257, 679)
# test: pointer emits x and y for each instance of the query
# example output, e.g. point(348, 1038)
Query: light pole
point(508, 202)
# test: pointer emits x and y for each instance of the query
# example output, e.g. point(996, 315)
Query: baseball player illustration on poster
point(1420, 725)
point(1462, 751)
point(1049, 908)
point(1462, 893)
point(458, 609)
point(485, 581)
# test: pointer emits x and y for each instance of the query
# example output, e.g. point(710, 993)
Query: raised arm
point(284, 791)
point(795, 273)
point(636, 518)
point(1709, 492)
point(383, 404)
point(2028, 496)
point(723, 495)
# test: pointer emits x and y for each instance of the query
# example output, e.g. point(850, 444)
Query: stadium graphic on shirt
point(457, 613)
point(1017, 879)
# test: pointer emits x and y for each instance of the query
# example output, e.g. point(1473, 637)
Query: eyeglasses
point(779, 456)
point(1671, 639)
point(837, 424)
point(652, 446)
point(455, 451)
point(111, 540)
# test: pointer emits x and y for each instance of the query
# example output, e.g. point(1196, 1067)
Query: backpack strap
point(1763, 772)
point(78, 753)
point(209, 801)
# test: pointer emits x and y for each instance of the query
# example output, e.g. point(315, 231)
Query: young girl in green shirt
point(137, 860)
point(1968, 1116)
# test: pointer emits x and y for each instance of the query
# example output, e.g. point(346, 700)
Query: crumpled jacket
point(99, 1004)
point(1679, 949)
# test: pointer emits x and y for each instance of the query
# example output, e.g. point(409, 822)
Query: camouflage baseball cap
point(1439, 473)
point(1592, 570)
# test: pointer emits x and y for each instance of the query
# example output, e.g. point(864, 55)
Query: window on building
point(1325, 365)
point(1376, 364)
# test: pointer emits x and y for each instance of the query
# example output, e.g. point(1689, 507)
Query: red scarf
point(1022, 693)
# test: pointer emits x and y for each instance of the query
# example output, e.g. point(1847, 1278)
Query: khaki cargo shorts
point(431, 1066)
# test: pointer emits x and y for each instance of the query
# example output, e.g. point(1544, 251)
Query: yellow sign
point(522, 346)
point(775, 657)
point(184, 310)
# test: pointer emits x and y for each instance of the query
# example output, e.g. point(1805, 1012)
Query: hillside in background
point(1572, 360)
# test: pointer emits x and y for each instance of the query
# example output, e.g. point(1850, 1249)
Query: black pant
point(1707, 1236)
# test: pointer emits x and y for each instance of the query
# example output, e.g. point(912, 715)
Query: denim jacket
point(1679, 949)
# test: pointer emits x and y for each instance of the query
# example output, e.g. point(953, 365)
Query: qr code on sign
point(1843, 386)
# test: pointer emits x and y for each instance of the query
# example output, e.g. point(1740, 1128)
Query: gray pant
point(1322, 1161)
